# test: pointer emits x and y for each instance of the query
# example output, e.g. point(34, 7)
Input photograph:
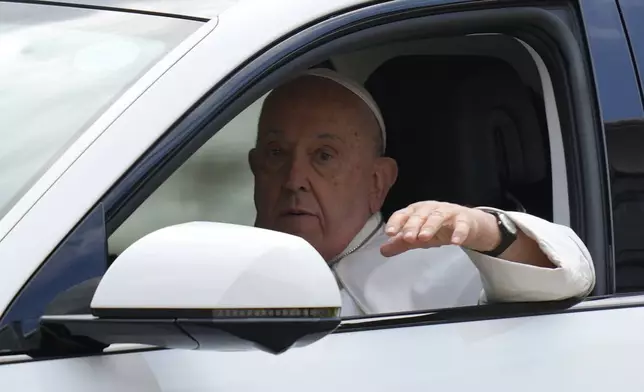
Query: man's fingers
point(433, 224)
point(395, 246)
point(398, 220)
point(428, 224)
point(416, 221)
point(462, 228)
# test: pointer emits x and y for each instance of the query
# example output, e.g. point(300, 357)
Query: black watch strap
point(508, 231)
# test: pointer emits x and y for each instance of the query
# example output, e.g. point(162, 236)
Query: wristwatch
point(508, 231)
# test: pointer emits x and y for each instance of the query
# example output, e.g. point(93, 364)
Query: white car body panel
point(66, 198)
point(559, 356)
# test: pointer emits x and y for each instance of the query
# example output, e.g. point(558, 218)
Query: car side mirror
point(210, 286)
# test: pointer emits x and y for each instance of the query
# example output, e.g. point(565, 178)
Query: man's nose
point(297, 174)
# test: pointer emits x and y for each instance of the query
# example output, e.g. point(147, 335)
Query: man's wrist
point(488, 236)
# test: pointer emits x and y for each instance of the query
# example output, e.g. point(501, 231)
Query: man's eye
point(274, 151)
point(324, 156)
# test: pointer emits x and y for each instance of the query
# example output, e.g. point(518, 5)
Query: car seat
point(463, 129)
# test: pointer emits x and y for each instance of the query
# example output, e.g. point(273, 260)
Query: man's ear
point(252, 160)
point(384, 176)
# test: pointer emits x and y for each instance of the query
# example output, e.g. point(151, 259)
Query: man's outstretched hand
point(430, 224)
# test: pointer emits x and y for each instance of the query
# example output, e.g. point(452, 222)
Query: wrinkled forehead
point(314, 107)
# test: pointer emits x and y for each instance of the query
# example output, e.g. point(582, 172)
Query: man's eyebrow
point(330, 136)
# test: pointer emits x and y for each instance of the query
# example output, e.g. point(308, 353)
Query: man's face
point(315, 164)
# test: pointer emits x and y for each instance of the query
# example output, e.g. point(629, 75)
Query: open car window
point(216, 184)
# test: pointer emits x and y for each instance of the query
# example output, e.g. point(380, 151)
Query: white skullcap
point(358, 90)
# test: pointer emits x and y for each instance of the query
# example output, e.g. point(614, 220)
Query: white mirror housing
point(216, 266)
point(204, 285)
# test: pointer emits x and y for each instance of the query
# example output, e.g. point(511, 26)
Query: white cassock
point(451, 276)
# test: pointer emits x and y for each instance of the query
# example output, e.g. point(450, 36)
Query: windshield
point(60, 68)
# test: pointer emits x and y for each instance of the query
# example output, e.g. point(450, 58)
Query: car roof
point(192, 8)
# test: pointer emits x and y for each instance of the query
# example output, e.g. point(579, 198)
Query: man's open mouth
point(297, 212)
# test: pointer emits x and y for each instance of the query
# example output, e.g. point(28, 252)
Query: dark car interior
point(473, 124)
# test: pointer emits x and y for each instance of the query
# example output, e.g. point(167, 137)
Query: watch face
point(507, 222)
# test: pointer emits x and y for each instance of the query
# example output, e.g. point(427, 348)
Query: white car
point(128, 260)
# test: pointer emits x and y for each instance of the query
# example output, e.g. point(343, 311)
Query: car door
point(501, 347)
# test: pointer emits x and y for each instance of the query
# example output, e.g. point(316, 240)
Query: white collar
point(370, 228)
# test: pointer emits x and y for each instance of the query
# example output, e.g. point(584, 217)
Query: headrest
point(460, 128)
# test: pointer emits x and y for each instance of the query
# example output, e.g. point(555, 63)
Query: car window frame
point(241, 89)
point(232, 99)
point(232, 96)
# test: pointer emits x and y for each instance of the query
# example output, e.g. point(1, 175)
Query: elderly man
point(320, 174)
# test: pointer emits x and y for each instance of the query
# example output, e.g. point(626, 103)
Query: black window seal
point(483, 313)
